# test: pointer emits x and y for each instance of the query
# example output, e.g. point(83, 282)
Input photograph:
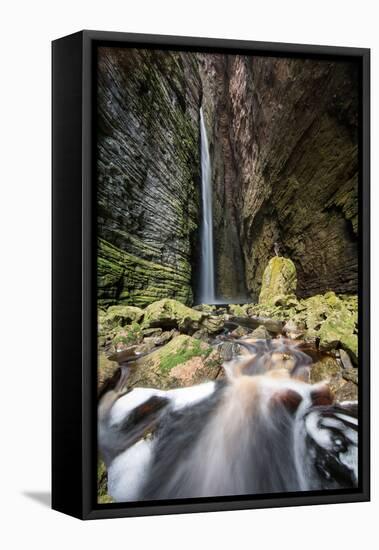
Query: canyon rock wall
point(148, 174)
point(294, 126)
point(229, 259)
point(284, 151)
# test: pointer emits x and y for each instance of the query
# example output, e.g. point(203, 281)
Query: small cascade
point(261, 429)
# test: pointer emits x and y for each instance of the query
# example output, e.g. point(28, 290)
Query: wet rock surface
point(174, 345)
point(148, 174)
point(283, 136)
point(278, 282)
point(285, 169)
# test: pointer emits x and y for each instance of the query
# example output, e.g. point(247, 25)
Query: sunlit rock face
point(148, 174)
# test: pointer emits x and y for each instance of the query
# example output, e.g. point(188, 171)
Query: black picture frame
point(74, 449)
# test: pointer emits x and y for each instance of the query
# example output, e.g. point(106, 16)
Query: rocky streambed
point(169, 345)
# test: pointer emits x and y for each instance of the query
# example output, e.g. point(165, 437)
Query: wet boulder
point(212, 324)
point(237, 310)
point(326, 369)
point(169, 314)
point(260, 333)
point(292, 330)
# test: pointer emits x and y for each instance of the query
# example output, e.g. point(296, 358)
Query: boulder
point(151, 332)
point(279, 279)
point(260, 333)
point(196, 370)
point(239, 332)
point(338, 331)
point(292, 330)
point(195, 356)
point(351, 375)
point(123, 337)
point(328, 370)
point(285, 300)
point(212, 324)
point(205, 308)
point(273, 325)
point(169, 314)
point(345, 359)
point(119, 316)
point(105, 368)
point(237, 310)
point(131, 353)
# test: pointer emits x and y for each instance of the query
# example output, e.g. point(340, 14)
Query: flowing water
point(207, 276)
point(262, 428)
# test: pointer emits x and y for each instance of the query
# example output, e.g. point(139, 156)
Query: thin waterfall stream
point(207, 276)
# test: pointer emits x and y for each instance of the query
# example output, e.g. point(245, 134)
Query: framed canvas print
point(210, 274)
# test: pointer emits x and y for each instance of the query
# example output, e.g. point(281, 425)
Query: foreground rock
point(182, 362)
point(170, 314)
point(329, 321)
point(342, 382)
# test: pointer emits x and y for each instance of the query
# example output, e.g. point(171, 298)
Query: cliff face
point(148, 174)
point(229, 260)
point(294, 125)
point(283, 147)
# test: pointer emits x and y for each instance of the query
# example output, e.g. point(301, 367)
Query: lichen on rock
point(170, 313)
point(279, 279)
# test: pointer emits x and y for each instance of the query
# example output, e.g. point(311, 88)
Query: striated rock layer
point(148, 174)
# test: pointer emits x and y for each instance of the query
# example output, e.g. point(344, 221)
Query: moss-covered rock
point(105, 368)
point(118, 316)
point(338, 330)
point(238, 310)
point(285, 301)
point(155, 369)
point(279, 279)
point(122, 337)
point(333, 321)
point(172, 314)
point(212, 324)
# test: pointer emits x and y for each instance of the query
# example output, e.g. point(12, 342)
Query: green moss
point(171, 312)
point(128, 279)
point(279, 278)
point(324, 369)
point(182, 349)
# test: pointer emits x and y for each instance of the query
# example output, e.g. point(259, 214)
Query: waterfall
point(207, 276)
point(262, 429)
